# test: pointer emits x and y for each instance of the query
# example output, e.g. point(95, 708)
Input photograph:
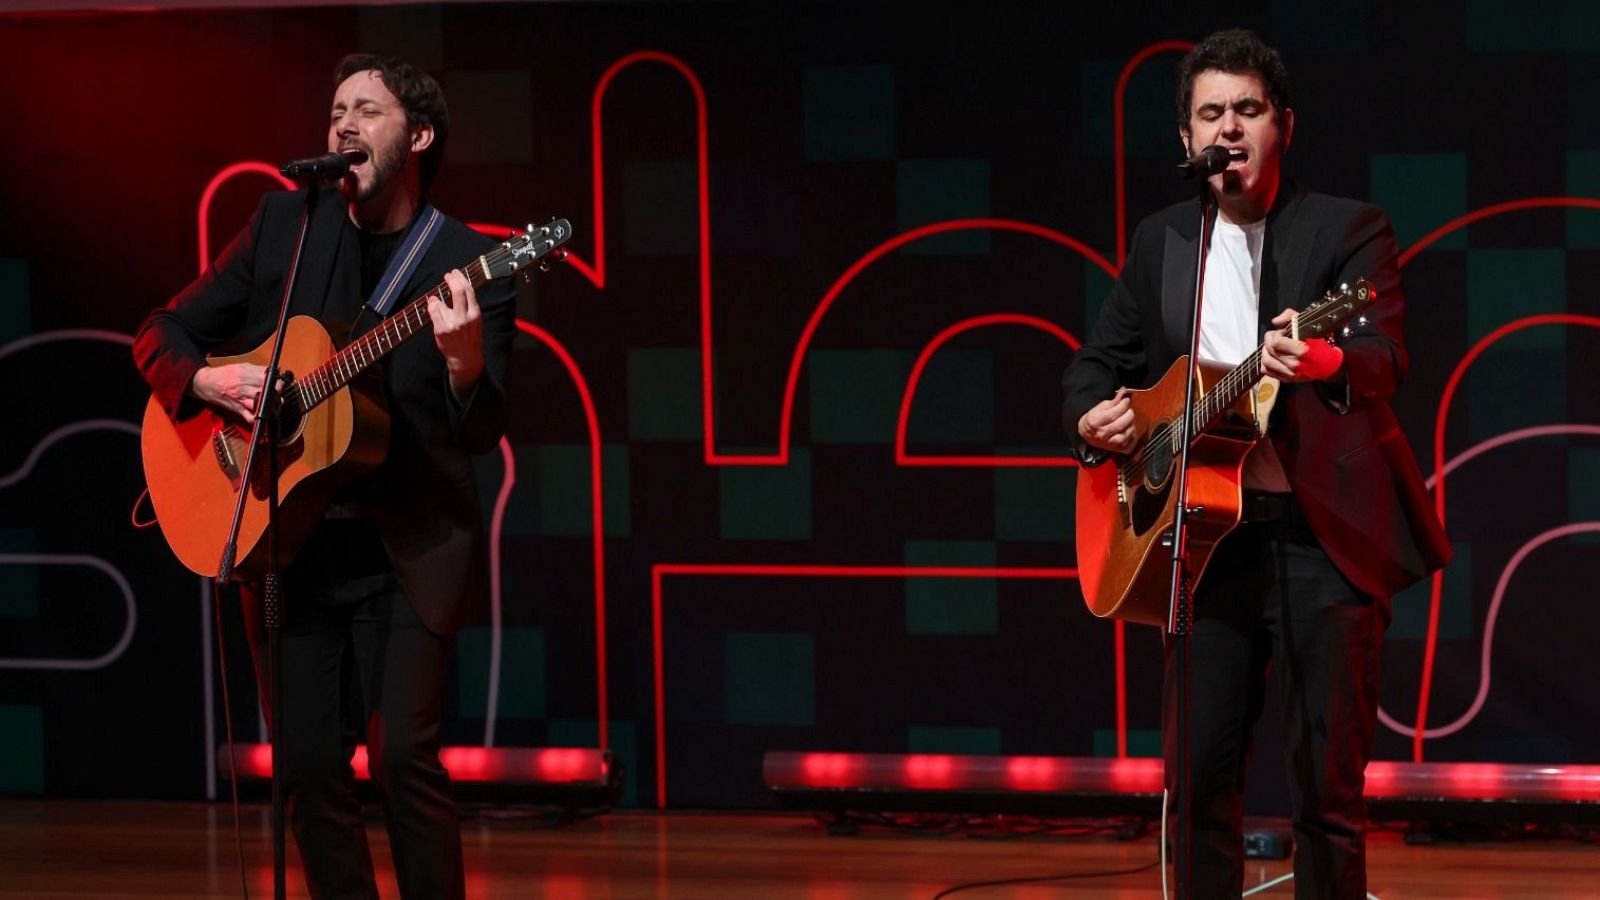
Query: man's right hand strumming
point(1108, 425)
point(231, 388)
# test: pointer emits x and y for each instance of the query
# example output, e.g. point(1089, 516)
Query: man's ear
point(421, 138)
point(1286, 125)
point(1183, 135)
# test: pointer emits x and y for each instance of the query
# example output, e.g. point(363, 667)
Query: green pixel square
point(1141, 742)
point(19, 584)
point(664, 397)
point(855, 394)
point(414, 34)
point(1533, 26)
point(768, 502)
point(1510, 389)
point(1035, 504)
point(1411, 606)
point(1583, 180)
point(497, 108)
point(566, 485)
point(1580, 26)
point(1097, 287)
point(1330, 26)
point(15, 302)
point(951, 606)
point(22, 750)
point(1505, 285)
point(1494, 26)
point(769, 678)
point(1420, 192)
point(659, 200)
point(953, 739)
point(936, 190)
point(849, 112)
point(1150, 128)
point(522, 675)
point(523, 513)
point(1583, 489)
point(623, 736)
point(955, 400)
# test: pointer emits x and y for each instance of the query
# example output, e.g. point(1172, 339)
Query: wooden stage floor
point(78, 849)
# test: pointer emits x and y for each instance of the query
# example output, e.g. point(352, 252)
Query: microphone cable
point(1042, 879)
point(227, 719)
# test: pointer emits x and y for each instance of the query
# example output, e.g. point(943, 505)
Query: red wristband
point(1320, 360)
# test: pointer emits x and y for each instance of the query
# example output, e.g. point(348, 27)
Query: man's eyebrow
point(1246, 100)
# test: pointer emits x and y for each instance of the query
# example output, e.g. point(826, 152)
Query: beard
point(386, 164)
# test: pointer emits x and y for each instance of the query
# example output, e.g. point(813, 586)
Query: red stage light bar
point(1087, 785)
point(1038, 785)
point(1484, 781)
point(554, 766)
point(948, 772)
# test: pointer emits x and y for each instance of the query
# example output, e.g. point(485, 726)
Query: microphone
point(327, 167)
point(1208, 162)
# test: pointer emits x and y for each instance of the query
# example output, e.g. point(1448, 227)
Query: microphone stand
point(265, 434)
point(1180, 610)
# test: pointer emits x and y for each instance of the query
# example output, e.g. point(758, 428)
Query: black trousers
point(353, 651)
point(1271, 599)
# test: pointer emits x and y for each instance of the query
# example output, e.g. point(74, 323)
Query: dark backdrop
point(831, 129)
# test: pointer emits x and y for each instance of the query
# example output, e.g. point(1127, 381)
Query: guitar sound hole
point(1157, 461)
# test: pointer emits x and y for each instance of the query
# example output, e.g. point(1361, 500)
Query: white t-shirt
point(1228, 322)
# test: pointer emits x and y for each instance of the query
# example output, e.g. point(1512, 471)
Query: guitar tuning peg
point(544, 265)
point(1344, 287)
point(528, 228)
point(1345, 331)
point(1361, 321)
point(527, 277)
point(560, 255)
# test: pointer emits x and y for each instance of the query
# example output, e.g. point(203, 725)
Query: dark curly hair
point(1235, 51)
point(416, 90)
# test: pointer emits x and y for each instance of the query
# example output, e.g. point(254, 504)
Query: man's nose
point(1232, 124)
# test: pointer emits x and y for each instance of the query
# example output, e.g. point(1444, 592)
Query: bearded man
point(398, 562)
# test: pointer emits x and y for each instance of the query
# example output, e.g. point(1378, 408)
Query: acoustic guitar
point(333, 428)
point(1126, 505)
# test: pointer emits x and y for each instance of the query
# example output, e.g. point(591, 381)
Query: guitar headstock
point(1337, 308)
point(535, 244)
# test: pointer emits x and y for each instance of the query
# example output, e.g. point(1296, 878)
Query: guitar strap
point(404, 260)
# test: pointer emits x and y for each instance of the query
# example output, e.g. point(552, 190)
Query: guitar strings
point(1233, 385)
point(342, 366)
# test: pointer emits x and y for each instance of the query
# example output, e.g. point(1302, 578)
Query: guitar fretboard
point(1312, 324)
point(342, 368)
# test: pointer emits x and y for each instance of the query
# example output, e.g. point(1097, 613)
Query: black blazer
point(1348, 463)
point(425, 491)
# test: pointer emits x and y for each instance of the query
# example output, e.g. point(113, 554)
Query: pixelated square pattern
point(767, 502)
point(769, 678)
point(849, 112)
point(522, 673)
point(951, 606)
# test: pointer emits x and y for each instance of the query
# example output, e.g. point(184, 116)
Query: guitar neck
point(342, 368)
point(1226, 391)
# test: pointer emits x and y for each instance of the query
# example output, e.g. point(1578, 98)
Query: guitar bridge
point(227, 450)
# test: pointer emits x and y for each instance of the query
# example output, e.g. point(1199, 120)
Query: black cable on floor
point(1041, 879)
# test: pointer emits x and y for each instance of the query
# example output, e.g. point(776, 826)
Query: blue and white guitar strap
point(405, 259)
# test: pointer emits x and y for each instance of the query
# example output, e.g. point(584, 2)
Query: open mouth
point(1237, 158)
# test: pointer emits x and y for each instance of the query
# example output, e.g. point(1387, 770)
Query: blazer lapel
point(1177, 283)
point(326, 240)
point(1287, 250)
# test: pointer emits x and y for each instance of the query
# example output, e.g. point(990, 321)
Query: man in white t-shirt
point(1336, 518)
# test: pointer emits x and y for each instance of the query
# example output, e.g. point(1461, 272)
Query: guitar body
point(193, 467)
point(1124, 566)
